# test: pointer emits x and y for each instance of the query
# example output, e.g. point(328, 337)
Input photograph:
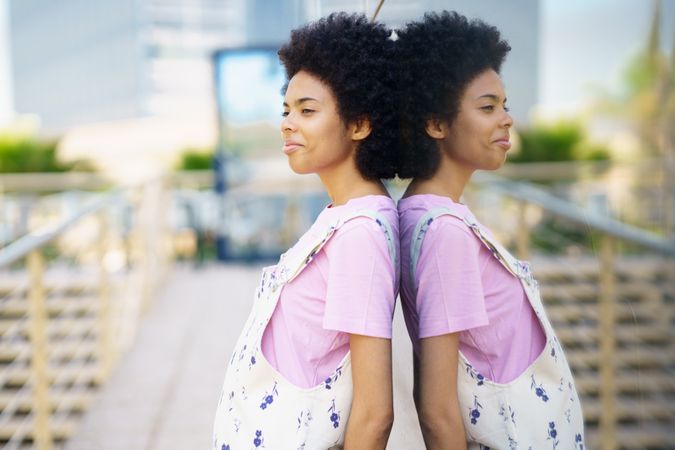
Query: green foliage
point(564, 141)
point(19, 154)
point(648, 81)
point(641, 74)
point(194, 159)
point(554, 235)
point(593, 152)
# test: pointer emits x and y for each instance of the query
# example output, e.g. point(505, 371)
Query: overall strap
point(300, 264)
point(499, 252)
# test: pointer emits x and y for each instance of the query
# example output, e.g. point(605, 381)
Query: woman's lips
point(290, 147)
point(503, 143)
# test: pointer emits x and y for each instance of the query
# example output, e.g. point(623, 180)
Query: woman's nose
point(507, 121)
point(287, 124)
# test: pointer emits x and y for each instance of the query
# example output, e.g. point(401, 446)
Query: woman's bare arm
point(372, 414)
point(436, 393)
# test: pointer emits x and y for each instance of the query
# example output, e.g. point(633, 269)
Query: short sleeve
point(449, 288)
point(361, 281)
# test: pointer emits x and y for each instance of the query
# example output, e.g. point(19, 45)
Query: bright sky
point(6, 101)
point(586, 45)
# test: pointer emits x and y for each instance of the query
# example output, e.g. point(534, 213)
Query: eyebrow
point(303, 100)
point(493, 97)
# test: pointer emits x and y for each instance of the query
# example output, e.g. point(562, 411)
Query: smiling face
point(479, 136)
point(316, 140)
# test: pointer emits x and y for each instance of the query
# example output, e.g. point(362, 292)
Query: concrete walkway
point(163, 394)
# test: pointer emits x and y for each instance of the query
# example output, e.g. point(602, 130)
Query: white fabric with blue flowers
point(538, 410)
point(258, 407)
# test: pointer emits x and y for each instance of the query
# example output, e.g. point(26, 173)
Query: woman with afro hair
point(489, 370)
point(312, 367)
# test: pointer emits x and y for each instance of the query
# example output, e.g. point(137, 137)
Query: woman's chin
point(496, 165)
point(300, 169)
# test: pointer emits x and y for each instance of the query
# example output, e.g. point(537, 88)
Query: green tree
point(563, 141)
point(28, 154)
point(646, 97)
point(196, 159)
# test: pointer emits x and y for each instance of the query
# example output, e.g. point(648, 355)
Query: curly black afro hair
point(437, 58)
point(354, 57)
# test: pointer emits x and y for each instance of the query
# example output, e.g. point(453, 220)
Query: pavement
point(164, 391)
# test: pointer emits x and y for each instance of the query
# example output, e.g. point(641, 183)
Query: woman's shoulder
point(366, 230)
point(429, 206)
point(450, 230)
point(365, 237)
point(372, 212)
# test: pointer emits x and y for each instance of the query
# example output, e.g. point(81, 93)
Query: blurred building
point(6, 100)
point(79, 62)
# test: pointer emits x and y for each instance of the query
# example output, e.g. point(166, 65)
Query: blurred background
point(142, 187)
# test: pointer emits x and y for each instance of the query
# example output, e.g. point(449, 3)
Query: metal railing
point(614, 311)
point(612, 307)
point(71, 297)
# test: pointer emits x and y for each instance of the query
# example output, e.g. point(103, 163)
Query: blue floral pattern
point(242, 352)
point(263, 407)
point(268, 398)
point(304, 418)
point(553, 435)
point(474, 412)
point(539, 390)
point(474, 374)
point(259, 440)
point(579, 442)
point(507, 414)
point(230, 397)
point(328, 382)
point(516, 412)
point(334, 415)
point(524, 272)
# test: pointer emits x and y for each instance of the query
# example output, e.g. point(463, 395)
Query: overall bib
point(258, 407)
point(538, 410)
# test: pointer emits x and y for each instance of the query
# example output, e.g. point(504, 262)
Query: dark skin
point(316, 140)
point(478, 138)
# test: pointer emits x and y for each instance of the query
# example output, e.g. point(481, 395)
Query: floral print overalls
point(258, 407)
point(538, 410)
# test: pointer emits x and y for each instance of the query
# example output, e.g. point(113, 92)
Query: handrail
point(561, 170)
point(529, 193)
point(59, 364)
point(31, 241)
point(36, 182)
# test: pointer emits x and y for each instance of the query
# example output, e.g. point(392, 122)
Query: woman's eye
point(506, 108)
point(284, 114)
point(307, 111)
point(487, 108)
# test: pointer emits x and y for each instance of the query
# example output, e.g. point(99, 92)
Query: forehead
point(486, 83)
point(304, 84)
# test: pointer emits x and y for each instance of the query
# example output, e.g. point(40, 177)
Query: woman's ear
point(360, 129)
point(436, 128)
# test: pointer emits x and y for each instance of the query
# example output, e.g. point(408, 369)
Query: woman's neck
point(345, 183)
point(449, 180)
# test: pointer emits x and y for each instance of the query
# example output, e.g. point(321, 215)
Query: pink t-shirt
point(462, 288)
point(349, 288)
